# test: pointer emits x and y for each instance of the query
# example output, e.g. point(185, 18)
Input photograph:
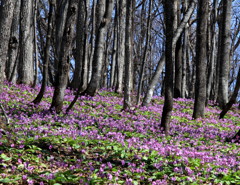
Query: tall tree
point(61, 16)
point(128, 55)
point(148, 34)
point(97, 64)
point(158, 71)
point(120, 45)
point(6, 14)
point(201, 59)
point(169, 17)
point(26, 59)
point(224, 53)
point(46, 53)
point(64, 57)
point(12, 61)
point(81, 31)
point(148, 96)
point(178, 58)
point(184, 53)
point(212, 57)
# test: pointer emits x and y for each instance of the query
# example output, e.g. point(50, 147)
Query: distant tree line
point(138, 48)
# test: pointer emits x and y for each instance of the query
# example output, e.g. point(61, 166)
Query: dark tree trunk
point(148, 35)
point(212, 57)
point(61, 16)
point(169, 16)
point(12, 62)
point(97, 64)
point(64, 59)
point(46, 54)
point(79, 45)
point(201, 59)
point(178, 59)
point(233, 97)
point(6, 14)
point(158, 71)
point(236, 138)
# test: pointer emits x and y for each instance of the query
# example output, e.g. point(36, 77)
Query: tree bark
point(148, 35)
point(224, 53)
point(233, 97)
point(121, 46)
point(80, 30)
point(169, 16)
point(157, 73)
point(94, 84)
point(185, 57)
point(114, 50)
point(178, 59)
point(63, 65)
point(36, 63)
point(148, 96)
point(46, 54)
point(128, 55)
point(213, 51)
point(6, 14)
point(61, 16)
point(26, 59)
point(12, 61)
point(201, 59)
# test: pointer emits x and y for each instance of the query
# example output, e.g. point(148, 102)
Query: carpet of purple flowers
point(97, 143)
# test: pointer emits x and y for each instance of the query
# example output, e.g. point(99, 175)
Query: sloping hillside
point(97, 143)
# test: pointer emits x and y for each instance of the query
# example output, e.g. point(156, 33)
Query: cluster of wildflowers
point(98, 143)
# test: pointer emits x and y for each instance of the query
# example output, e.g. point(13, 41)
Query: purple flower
point(24, 177)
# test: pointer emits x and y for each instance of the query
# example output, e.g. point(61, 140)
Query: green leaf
point(6, 180)
point(5, 157)
point(135, 182)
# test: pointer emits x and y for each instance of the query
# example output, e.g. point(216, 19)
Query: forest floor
point(98, 143)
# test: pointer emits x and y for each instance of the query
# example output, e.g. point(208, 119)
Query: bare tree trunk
point(13, 45)
point(35, 44)
point(121, 46)
point(79, 45)
point(184, 63)
point(94, 84)
point(84, 73)
point(114, 51)
point(46, 54)
point(157, 73)
point(63, 65)
point(26, 59)
point(233, 97)
point(169, 16)
point(213, 51)
point(224, 53)
point(201, 59)
point(6, 14)
point(178, 59)
point(184, 53)
point(128, 55)
point(148, 35)
point(61, 16)
point(153, 82)
point(92, 41)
